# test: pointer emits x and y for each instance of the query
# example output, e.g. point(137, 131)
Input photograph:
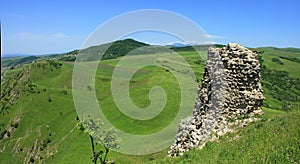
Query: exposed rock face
point(230, 95)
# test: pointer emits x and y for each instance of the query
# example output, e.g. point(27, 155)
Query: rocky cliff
point(229, 96)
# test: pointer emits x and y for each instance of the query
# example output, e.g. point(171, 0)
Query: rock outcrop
point(229, 96)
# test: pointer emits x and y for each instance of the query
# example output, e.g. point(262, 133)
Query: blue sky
point(43, 27)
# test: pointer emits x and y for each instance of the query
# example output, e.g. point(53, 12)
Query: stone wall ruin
point(230, 95)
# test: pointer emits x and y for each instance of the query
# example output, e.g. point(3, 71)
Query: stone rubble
point(229, 96)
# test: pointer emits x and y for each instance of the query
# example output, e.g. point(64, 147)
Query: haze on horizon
point(36, 27)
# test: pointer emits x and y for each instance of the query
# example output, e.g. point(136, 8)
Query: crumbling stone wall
point(230, 95)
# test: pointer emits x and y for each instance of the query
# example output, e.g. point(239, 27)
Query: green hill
point(109, 51)
point(8, 62)
point(38, 117)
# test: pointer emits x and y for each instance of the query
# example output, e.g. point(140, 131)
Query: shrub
point(276, 60)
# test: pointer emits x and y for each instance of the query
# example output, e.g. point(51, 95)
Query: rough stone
point(229, 96)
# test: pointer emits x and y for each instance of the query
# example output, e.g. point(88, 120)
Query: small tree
point(106, 137)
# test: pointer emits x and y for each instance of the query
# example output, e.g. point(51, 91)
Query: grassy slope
point(281, 80)
point(291, 67)
point(7, 62)
point(40, 119)
point(275, 139)
point(272, 140)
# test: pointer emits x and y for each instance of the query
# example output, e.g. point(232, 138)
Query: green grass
point(42, 120)
point(139, 92)
point(272, 140)
point(36, 115)
point(288, 66)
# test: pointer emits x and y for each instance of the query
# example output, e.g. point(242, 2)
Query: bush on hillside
point(276, 60)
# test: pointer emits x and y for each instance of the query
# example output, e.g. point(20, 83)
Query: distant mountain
point(178, 45)
point(112, 51)
point(14, 55)
point(287, 49)
point(108, 51)
point(194, 45)
point(116, 49)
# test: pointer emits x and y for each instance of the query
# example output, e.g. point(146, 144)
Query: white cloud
point(210, 36)
point(205, 39)
point(194, 43)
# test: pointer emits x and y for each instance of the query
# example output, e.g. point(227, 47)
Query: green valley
point(38, 118)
